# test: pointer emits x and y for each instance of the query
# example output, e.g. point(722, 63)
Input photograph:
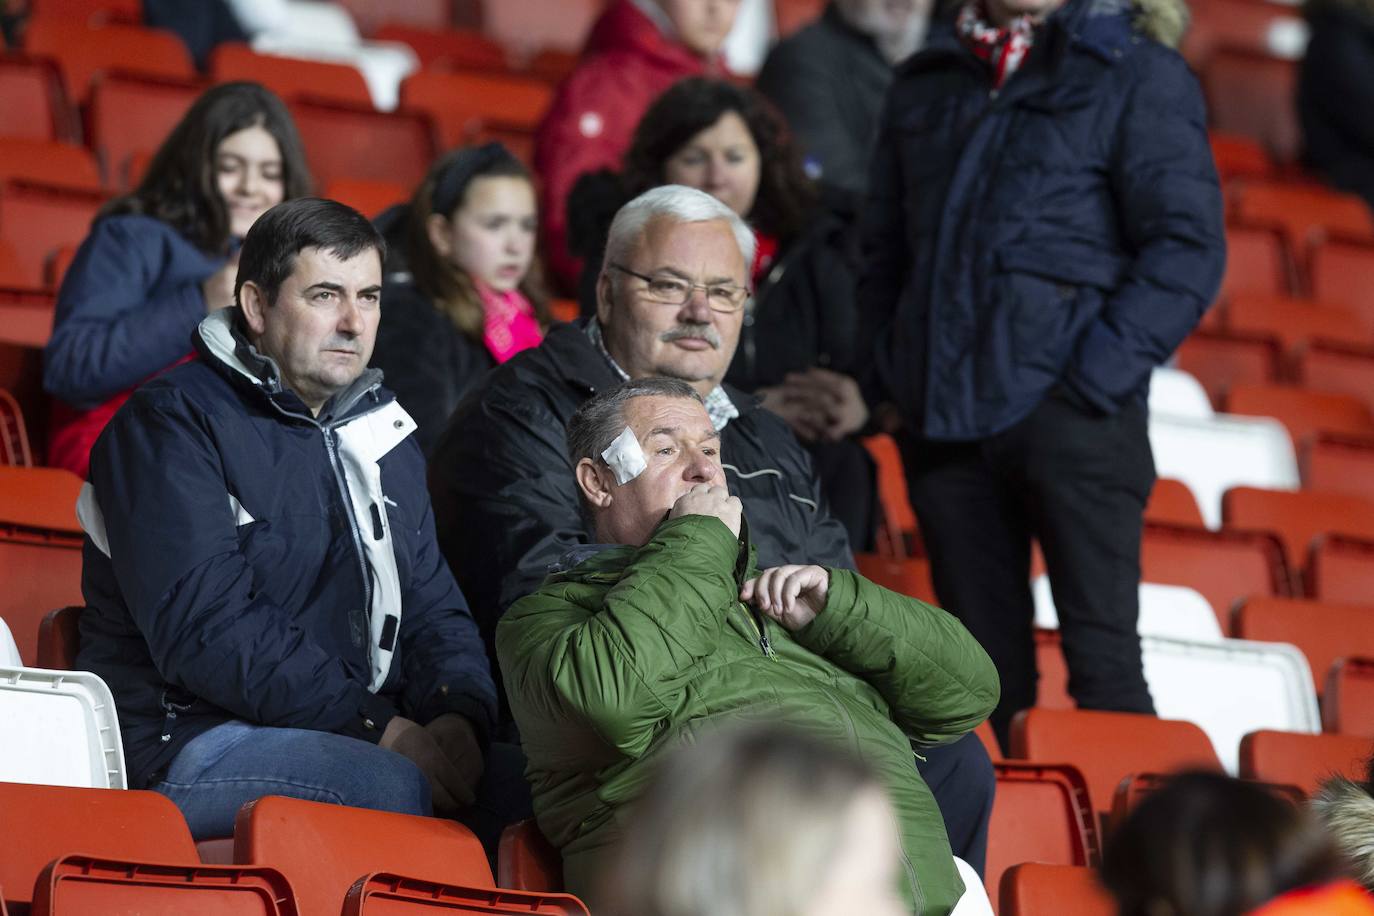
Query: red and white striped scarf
point(1003, 49)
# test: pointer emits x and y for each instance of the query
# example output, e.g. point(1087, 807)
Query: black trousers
point(1077, 481)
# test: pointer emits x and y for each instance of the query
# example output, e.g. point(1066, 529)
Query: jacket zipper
point(342, 480)
point(761, 627)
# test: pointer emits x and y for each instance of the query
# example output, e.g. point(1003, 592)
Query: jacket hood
point(1163, 20)
point(1347, 810)
point(626, 27)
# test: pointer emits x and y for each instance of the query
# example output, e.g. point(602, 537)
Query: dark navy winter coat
point(244, 559)
point(1067, 228)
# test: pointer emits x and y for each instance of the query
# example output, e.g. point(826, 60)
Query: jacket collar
point(1103, 28)
point(219, 339)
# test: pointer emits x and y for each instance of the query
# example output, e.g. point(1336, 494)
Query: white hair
point(676, 202)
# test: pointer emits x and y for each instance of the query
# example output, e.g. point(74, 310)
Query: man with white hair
point(670, 302)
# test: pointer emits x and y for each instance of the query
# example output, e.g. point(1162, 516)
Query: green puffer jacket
point(633, 651)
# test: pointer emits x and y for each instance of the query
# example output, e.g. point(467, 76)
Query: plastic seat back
point(353, 141)
point(1299, 517)
point(1323, 631)
point(31, 96)
point(60, 729)
point(289, 77)
point(1172, 503)
point(1261, 28)
point(898, 525)
point(1138, 786)
point(1343, 272)
point(1034, 889)
point(1221, 358)
point(1241, 86)
point(447, 49)
point(1339, 464)
point(1303, 760)
point(51, 162)
point(1339, 367)
point(323, 849)
point(81, 885)
point(1052, 691)
point(1306, 214)
point(59, 638)
point(387, 894)
point(910, 576)
point(1255, 263)
point(82, 51)
point(40, 549)
point(1341, 569)
point(1165, 610)
point(1295, 321)
point(458, 101)
point(1177, 393)
point(1041, 813)
point(367, 197)
point(526, 861)
point(131, 116)
point(1230, 687)
point(39, 219)
point(1107, 746)
point(1238, 157)
point(56, 821)
point(1304, 413)
point(526, 27)
point(1348, 703)
point(14, 435)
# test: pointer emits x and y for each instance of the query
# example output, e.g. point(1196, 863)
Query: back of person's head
point(1209, 845)
point(181, 186)
point(784, 198)
point(756, 821)
point(269, 251)
point(435, 258)
point(1346, 808)
point(680, 204)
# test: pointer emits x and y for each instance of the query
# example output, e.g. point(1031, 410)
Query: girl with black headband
point(471, 296)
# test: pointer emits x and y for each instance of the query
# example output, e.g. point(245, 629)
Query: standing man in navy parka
point(1044, 227)
point(265, 595)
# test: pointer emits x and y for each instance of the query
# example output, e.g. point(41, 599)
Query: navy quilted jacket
point(1065, 229)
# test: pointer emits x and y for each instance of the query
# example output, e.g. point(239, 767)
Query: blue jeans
point(217, 772)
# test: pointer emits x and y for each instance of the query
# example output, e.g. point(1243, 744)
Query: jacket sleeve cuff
point(831, 624)
point(370, 719)
point(476, 710)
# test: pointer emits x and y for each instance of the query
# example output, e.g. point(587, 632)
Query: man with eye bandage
point(666, 626)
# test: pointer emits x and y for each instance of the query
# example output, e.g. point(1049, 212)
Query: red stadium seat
point(44, 822)
point(36, 220)
point(91, 12)
point(460, 102)
point(909, 576)
point(1266, 29)
point(1108, 746)
point(131, 115)
point(352, 141)
point(1224, 566)
point(1033, 889)
point(1052, 691)
point(526, 861)
point(1302, 760)
point(1255, 263)
point(1242, 87)
point(49, 162)
point(1339, 464)
point(1307, 215)
point(31, 96)
point(14, 433)
point(1305, 413)
point(1324, 631)
point(1295, 321)
point(425, 14)
point(1239, 157)
point(791, 15)
point(1341, 568)
point(290, 77)
point(385, 895)
point(552, 65)
point(1041, 813)
point(1345, 368)
point(82, 52)
point(369, 197)
point(1138, 786)
point(528, 27)
point(989, 738)
point(1343, 273)
point(81, 885)
point(1219, 359)
point(898, 526)
point(1171, 502)
point(1297, 518)
point(38, 532)
point(59, 639)
point(1348, 702)
point(323, 849)
point(455, 49)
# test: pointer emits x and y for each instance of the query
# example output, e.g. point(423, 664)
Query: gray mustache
point(702, 331)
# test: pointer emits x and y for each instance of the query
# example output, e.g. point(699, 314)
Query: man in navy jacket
point(265, 595)
point(1044, 227)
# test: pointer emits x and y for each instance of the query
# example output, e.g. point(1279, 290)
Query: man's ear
point(253, 305)
point(603, 298)
point(595, 486)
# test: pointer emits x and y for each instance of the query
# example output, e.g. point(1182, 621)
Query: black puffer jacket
point(505, 499)
point(1335, 95)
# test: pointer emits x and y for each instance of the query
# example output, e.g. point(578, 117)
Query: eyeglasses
point(676, 291)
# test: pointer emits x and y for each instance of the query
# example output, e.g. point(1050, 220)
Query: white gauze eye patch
point(625, 457)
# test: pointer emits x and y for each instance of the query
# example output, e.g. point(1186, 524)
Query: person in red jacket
point(637, 49)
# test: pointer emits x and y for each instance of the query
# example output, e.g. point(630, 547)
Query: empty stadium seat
point(1231, 687)
point(898, 525)
point(367, 197)
point(526, 861)
point(1041, 813)
point(25, 320)
point(352, 141)
point(1239, 157)
point(322, 849)
point(1262, 28)
point(132, 115)
point(1177, 393)
point(791, 15)
point(459, 101)
point(49, 162)
point(1171, 502)
point(388, 894)
point(81, 885)
point(96, 12)
point(1223, 566)
point(1295, 321)
point(1298, 517)
point(1343, 273)
point(31, 95)
point(1221, 358)
point(1341, 569)
point(1108, 746)
point(451, 49)
point(1052, 690)
point(1255, 263)
point(59, 638)
point(909, 576)
point(1324, 631)
point(37, 219)
point(1306, 214)
point(528, 27)
point(1212, 456)
point(290, 77)
point(82, 51)
point(14, 436)
point(1303, 760)
point(1302, 411)
point(9, 652)
point(55, 821)
point(1165, 610)
point(424, 14)
point(1345, 368)
point(1241, 88)
point(1348, 703)
point(38, 531)
point(1033, 889)
point(1339, 464)
point(60, 729)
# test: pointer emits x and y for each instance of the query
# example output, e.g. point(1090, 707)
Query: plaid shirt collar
point(719, 407)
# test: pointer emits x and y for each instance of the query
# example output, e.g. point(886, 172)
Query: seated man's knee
point(390, 782)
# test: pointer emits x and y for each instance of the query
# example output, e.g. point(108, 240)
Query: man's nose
point(697, 308)
point(701, 469)
point(350, 318)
